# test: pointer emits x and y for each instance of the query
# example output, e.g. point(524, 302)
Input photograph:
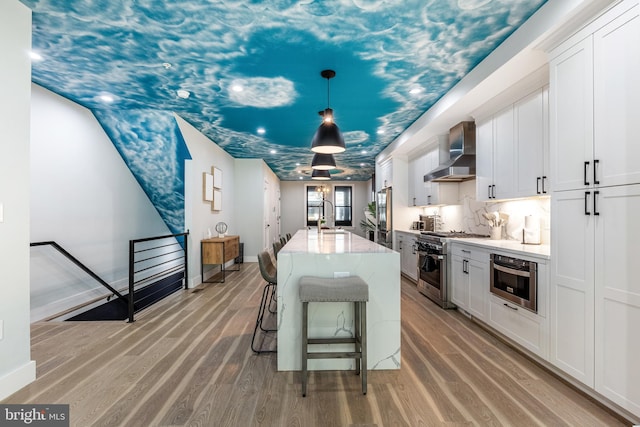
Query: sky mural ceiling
point(252, 68)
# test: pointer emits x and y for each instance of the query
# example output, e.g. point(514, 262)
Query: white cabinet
point(571, 285)
point(495, 145)
point(384, 174)
point(406, 244)
point(430, 193)
point(595, 293)
point(531, 172)
point(524, 327)
point(470, 279)
point(594, 92)
point(512, 148)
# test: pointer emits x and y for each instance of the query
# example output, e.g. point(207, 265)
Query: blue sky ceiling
point(393, 58)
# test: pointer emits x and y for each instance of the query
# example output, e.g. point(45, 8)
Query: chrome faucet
point(332, 209)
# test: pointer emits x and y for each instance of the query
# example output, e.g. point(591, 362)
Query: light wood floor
point(187, 361)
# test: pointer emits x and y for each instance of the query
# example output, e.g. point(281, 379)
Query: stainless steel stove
point(433, 276)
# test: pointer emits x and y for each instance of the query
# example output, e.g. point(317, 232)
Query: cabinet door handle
point(538, 179)
point(586, 166)
point(544, 178)
point(488, 191)
point(429, 199)
point(512, 308)
point(595, 203)
point(414, 201)
point(595, 172)
point(586, 202)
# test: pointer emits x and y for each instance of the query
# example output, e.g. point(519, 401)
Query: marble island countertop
point(331, 242)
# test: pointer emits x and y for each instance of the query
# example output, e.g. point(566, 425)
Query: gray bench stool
point(344, 289)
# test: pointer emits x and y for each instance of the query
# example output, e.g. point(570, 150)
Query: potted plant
point(368, 224)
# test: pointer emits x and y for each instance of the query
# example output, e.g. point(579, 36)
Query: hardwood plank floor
point(187, 362)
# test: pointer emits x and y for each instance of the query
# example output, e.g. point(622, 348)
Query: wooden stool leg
point(363, 344)
point(305, 337)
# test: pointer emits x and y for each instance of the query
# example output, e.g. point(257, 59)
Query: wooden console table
point(219, 250)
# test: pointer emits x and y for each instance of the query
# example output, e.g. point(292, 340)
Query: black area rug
point(117, 309)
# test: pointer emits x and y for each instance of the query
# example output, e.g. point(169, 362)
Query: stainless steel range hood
point(461, 165)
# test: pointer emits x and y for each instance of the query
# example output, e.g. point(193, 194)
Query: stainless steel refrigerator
point(383, 204)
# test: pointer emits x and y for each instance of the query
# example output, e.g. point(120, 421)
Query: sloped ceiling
point(393, 58)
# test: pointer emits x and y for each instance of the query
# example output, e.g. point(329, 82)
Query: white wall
point(16, 368)
point(84, 197)
point(293, 200)
point(257, 192)
point(199, 218)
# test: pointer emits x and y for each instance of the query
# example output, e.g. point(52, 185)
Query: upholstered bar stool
point(343, 289)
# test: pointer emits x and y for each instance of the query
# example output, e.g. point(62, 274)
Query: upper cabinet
point(594, 91)
point(430, 193)
point(384, 175)
point(512, 150)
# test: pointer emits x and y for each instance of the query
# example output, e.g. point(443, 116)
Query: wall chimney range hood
point(461, 165)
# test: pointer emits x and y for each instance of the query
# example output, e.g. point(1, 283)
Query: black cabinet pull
point(595, 172)
point(414, 201)
point(488, 191)
point(493, 191)
point(586, 166)
point(538, 185)
point(429, 199)
point(586, 202)
point(508, 306)
point(544, 178)
point(595, 201)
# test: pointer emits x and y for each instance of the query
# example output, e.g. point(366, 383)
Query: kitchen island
point(333, 253)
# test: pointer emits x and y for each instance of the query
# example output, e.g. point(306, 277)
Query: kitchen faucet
point(332, 208)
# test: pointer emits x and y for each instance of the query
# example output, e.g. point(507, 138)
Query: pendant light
point(323, 162)
point(328, 139)
point(320, 175)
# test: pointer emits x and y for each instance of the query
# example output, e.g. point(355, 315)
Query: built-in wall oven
point(514, 280)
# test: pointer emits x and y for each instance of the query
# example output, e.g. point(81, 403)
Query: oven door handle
point(434, 256)
point(511, 271)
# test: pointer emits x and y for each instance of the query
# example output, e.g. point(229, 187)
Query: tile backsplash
point(467, 216)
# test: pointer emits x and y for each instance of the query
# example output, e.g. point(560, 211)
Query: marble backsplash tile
point(468, 215)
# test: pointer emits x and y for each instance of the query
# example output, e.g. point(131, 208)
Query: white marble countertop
point(539, 251)
point(331, 242)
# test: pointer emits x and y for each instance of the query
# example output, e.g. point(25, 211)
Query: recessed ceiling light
point(106, 98)
point(261, 131)
point(237, 88)
point(301, 178)
point(35, 56)
point(184, 94)
point(362, 165)
point(363, 152)
point(273, 151)
point(380, 131)
point(348, 177)
point(415, 90)
point(166, 65)
point(297, 164)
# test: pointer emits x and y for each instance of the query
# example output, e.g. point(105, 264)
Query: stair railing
point(82, 267)
point(148, 262)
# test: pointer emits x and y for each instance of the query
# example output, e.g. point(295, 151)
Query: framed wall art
point(217, 178)
point(207, 187)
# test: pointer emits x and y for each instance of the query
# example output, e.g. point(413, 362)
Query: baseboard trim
point(17, 379)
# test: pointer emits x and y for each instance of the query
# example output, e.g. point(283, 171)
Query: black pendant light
point(320, 175)
point(323, 162)
point(328, 139)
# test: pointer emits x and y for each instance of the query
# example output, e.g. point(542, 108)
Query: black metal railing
point(81, 266)
point(160, 260)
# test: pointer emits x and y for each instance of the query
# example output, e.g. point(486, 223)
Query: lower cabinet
point(406, 244)
point(470, 279)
